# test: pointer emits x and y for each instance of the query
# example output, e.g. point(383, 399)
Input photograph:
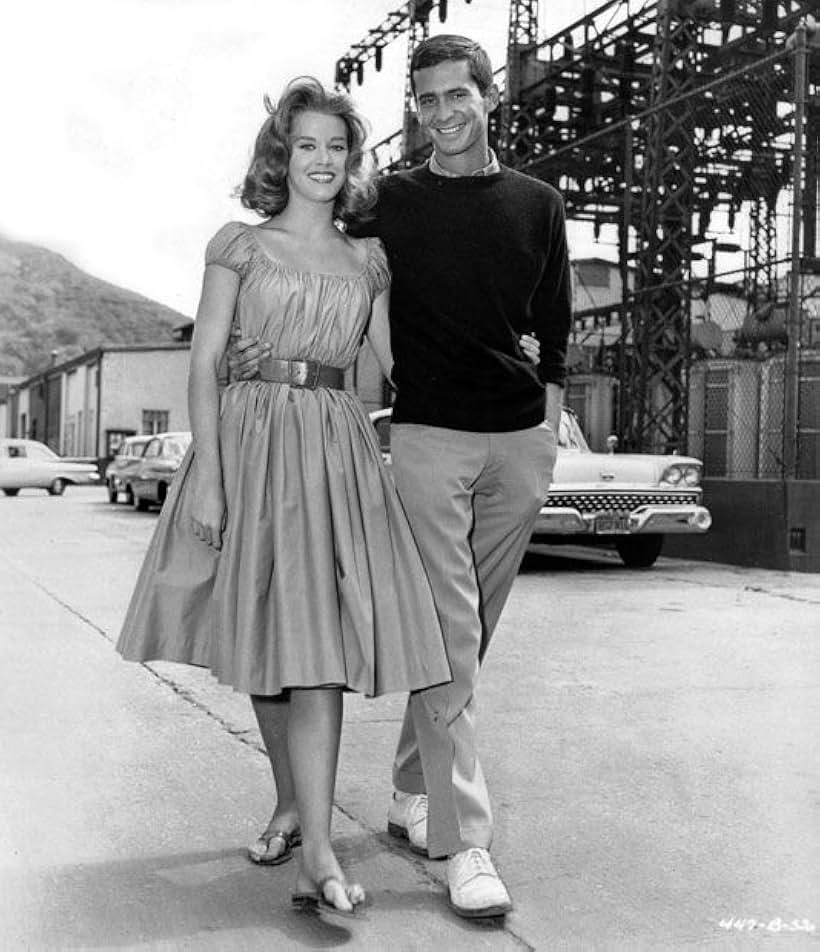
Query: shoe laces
point(418, 809)
point(477, 862)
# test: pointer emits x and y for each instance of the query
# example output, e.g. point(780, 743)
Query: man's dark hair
point(448, 48)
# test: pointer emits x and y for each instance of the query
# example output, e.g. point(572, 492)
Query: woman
point(282, 559)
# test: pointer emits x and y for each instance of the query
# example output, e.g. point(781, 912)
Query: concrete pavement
point(649, 740)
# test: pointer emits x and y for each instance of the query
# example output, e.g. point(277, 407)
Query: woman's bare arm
point(378, 334)
point(211, 330)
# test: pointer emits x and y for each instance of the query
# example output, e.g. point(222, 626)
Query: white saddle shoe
point(407, 820)
point(476, 889)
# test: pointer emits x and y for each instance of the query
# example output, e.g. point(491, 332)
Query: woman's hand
point(531, 347)
point(244, 355)
point(208, 511)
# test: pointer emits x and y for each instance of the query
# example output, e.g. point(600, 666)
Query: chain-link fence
point(753, 407)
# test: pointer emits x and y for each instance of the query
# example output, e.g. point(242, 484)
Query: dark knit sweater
point(476, 261)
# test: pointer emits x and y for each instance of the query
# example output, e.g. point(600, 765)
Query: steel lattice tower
point(657, 379)
point(522, 42)
point(600, 111)
point(418, 30)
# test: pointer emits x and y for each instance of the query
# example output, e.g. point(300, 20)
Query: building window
point(154, 421)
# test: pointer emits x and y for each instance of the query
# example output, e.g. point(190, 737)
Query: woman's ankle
point(284, 818)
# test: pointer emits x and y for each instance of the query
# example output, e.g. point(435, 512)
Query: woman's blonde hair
point(265, 188)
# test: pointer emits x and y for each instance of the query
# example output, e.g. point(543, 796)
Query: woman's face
point(318, 156)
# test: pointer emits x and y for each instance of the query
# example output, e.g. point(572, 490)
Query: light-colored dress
point(318, 581)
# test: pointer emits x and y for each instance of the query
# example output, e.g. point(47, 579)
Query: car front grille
point(619, 502)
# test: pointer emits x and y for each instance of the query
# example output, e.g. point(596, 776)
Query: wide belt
point(309, 374)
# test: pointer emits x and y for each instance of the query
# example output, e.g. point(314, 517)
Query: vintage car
point(629, 500)
point(157, 467)
point(28, 464)
point(119, 471)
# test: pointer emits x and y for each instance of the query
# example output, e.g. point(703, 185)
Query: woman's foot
point(276, 844)
point(321, 883)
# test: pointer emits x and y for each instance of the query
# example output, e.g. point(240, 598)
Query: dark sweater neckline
point(461, 181)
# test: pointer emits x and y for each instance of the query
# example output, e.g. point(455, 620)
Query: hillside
point(47, 304)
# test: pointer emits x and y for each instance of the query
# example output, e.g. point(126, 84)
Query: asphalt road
point(650, 742)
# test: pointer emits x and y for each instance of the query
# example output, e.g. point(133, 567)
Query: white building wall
point(23, 413)
point(92, 374)
point(134, 381)
point(74, 418)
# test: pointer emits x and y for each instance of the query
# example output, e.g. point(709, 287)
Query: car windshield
point(570, 436)
point(177, 447)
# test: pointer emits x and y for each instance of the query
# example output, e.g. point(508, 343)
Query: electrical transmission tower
point(522, 43)
point(604, 110)
point(658, 378)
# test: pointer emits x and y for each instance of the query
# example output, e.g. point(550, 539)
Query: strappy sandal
point(259, 850)
point(315, 900)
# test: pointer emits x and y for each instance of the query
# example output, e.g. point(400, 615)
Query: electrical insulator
point(550, 101)
point(589, 110)
point(625, 54)
point(728, 11)
point(442, 11)
point(420, 10)
point(360, 73)
point(588, 82)
point(342, 75)
point(379, 50)
point(769, 17)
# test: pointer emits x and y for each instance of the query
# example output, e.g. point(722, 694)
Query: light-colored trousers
point(472, 499)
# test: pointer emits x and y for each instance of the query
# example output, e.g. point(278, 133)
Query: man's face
point(455, 114)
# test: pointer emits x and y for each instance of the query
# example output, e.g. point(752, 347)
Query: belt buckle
point(304, 373)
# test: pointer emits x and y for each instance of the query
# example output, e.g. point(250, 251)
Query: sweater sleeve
point(552, 302)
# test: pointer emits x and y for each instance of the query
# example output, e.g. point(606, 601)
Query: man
point(479, 257)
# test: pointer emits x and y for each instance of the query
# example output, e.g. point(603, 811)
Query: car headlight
point(672, 475)
point(677, 473)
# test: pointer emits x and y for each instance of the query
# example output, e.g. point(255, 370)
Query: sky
point(126, 124)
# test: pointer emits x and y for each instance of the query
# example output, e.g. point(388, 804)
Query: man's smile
point(450, 130)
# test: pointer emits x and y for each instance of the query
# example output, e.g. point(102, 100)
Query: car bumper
point(665, 520)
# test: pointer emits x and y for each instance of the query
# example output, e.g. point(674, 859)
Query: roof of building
point(89, 356)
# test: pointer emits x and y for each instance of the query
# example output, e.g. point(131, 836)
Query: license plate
point(612, 523)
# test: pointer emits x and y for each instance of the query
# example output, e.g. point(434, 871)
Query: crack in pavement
point(754, 589)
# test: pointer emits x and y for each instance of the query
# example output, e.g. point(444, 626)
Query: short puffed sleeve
point(230, 248)
point(378, 269)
